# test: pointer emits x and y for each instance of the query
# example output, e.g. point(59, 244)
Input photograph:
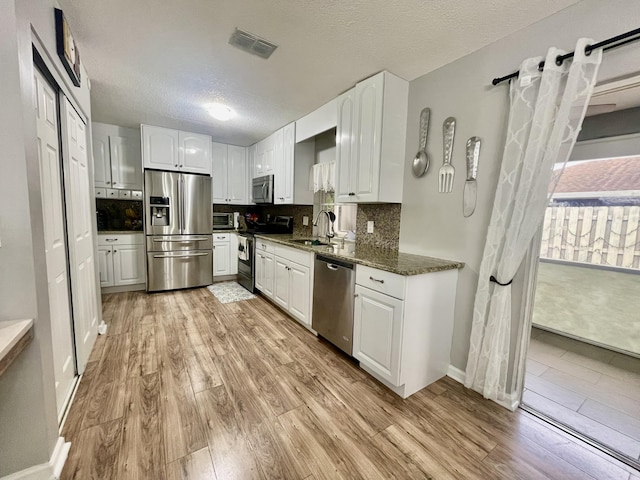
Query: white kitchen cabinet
point(371, 130)
point(117, 157)
point(403, 326)
point(252, 155)
point(229, 172)
point(293, 162)
point(317, 122)
point(285, 275)
point(225, 254)
point(121, 259)
point(265, 155)
point(174, 150)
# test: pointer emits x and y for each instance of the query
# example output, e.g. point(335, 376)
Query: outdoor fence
point(596, 235)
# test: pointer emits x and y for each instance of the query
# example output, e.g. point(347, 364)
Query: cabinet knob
point(108, 252)
point(115, 251)
point(351, 194)
point(176, 165)
point(356, 295)
point(376, 280)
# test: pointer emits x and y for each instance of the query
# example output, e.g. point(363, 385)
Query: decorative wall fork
point(447, 172)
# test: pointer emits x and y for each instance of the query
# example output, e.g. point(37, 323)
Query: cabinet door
point(368, 128)
point(160, 148)
point(345, 143)
point(269, 274)
point(273, 148)
point(233, 254)
point(258, 166)
point(237, 175)
point(101, 160)
point(284, 166)
point(252, 159)
point(221, 259)
point(105, 266)
point(195, 153)
point(128, 264)
point(259, 271)
point(299, 292)
point(377, 333)
point(281, 286)
point(219, 160)
point(126, 164)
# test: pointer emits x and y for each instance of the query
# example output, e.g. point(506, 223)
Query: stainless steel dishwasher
point(333, 288)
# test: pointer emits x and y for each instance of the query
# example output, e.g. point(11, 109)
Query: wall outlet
point(305, 221)
point(370, 226)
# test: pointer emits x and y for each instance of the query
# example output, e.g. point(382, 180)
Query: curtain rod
point(609, 43)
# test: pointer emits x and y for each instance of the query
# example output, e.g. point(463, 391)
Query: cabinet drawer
point(124, 194)
point(294, 255)
point(112, 193)
point(136, 194)
point(121, 239)
point(221, 237)
point(380, 281)
point(101, 193)
point(264, 246)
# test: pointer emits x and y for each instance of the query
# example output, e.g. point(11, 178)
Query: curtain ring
point(541, 66)
point(495, 280)
point(588, 50)
point(559, 60)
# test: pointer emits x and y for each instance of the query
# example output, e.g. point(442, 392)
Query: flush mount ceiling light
point(220, 112)
point(252, 43)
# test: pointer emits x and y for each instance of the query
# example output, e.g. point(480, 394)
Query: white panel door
point(281, 284)
point(345, 145)
point(368, 128)
point(233, 254)
point(195, 153)
point(219, 159)
point(237, 184)
point(128, 264)
point(259, 271)
point(377, 332)
point(101, 160)
point(270, 148)
point(126, 164)
point(269, 274)
point(160, 148)
point(221, 259)
point(299, 293)
point(55, 240)
point(105, 266)
point(79, 208)
point(284, 180)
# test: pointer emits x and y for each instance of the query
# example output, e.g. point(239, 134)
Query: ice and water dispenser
point(160, 214)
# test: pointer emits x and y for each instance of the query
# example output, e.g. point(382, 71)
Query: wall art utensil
point(470, 192)
point(420, 163)
point(447, 172)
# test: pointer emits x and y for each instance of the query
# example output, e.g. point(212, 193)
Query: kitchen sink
point(304, 241)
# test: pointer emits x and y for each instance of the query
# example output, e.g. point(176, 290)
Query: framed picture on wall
point(67, 49)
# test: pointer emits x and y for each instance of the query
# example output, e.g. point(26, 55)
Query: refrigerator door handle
point(180, 200)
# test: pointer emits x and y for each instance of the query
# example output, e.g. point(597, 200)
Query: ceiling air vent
point(251, 43)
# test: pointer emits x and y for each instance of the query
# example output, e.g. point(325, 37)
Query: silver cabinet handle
point(110, 239)
point(376, 280)
point(181, 256)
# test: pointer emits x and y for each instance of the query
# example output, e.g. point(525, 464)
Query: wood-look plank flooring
point(183, 387)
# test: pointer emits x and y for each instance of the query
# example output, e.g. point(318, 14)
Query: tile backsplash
point(386, 225)
point(296, 211)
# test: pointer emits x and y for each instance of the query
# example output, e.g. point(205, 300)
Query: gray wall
point(28, 419)
point(432, 223)
point(613, 124)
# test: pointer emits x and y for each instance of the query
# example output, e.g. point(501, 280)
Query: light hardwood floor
point(183, 387)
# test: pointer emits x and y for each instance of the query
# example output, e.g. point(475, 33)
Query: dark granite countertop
point(388, 260)
point(118, 232)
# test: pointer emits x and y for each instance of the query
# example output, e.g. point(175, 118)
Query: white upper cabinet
point(252, 157)
point(117, 158)
point(371, 130)
point(264, 156)
point(318, 121)
point(167, 149)
point(293, 162)
point(229, 170)
point(195, 153)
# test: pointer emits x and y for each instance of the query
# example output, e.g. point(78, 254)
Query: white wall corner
point(45, 471)
point(511, 402)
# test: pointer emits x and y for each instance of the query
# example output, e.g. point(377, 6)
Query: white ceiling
point(159, 62)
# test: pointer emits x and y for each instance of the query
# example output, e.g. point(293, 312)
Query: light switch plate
point(370, 226)
point(305, 221)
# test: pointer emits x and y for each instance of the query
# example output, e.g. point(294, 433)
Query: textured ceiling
point(159, 62)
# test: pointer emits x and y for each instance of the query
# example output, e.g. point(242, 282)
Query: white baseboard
point(511, 402)
point(45, 471)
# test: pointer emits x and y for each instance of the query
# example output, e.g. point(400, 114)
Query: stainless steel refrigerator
point(178, 230)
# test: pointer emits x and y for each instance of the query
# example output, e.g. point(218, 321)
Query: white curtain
point(322, 178)
point(546, 113)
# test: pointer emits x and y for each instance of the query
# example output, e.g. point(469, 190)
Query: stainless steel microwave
point(223, 221)
point(262, 189)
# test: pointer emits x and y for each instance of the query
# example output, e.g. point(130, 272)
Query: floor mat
point(228, 292)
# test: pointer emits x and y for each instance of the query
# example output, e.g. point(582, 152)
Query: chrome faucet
point(331, 217)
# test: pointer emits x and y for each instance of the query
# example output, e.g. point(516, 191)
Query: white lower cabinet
point(225, 254)
point(121, 260)
point(403, 326)
point(285, 275)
